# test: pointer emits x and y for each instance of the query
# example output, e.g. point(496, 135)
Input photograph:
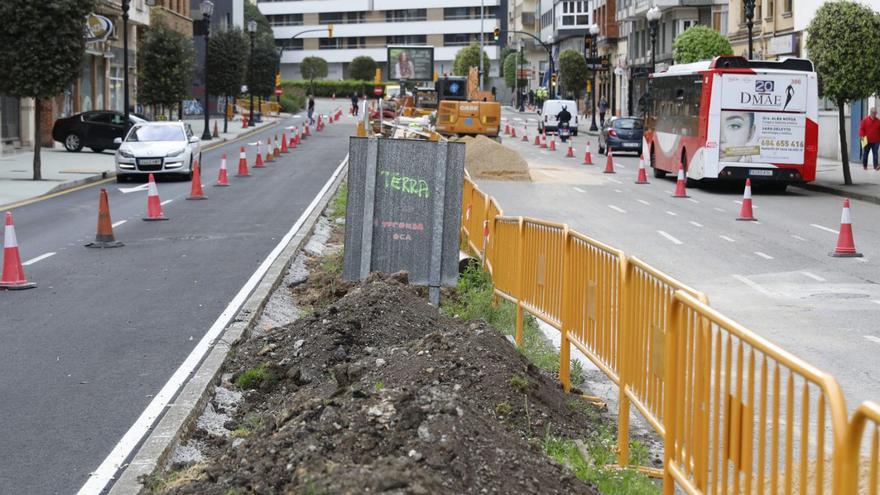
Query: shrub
point(328, 88)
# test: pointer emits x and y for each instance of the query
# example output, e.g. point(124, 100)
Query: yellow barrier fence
point(736, 413)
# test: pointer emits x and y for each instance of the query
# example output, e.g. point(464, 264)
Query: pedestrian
point(354, 104)
point(311, 110)
point(603, 107)
point(869, 135)
point(531, 98)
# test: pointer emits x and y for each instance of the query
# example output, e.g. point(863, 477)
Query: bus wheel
point(659, 174)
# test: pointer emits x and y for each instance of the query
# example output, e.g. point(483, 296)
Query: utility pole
point(482, 35)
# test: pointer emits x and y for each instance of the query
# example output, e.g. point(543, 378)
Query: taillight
point(612, 132)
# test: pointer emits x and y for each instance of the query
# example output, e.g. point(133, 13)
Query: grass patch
point(158, 483)
point(254, 377)
point(520, 383)
point(340, 202)
point(379, 386)
point(331, 263)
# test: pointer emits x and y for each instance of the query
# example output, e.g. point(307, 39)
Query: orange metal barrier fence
point(737, 414)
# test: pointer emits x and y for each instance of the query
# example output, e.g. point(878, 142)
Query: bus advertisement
point(734, 119)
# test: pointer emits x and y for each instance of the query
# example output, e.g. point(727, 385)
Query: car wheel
point(98, 150)
point(73, 142)
point(659, 174)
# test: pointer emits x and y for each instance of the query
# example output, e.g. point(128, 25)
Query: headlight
point(125, 154)
point(175, 152)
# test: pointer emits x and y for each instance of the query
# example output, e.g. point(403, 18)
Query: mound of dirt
point(379, 392)
point(485, 158)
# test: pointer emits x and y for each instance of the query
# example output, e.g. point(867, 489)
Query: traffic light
point(277, 79)
point(330, 30)
point(553, 79)
point(588, 44)
point(496, 34)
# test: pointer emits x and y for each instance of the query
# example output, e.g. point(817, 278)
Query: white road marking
point(718, 209)
point(875, 301)
point(753, 285)
point(618, 191)
point(695, 224)
point(579, 189)
point(873, 339)
point(99, 478)
point(126, 190)
point(728, 239)
point(666, 235)
point(740, 202)
point(642, 201)
point(671, 213)
point(813, 276)
point(826, 229)
point(764, 255)
point(798, 237)
point(615, 181)
point(617, 209)
point(163, 203)
point(117, 224)
point(38, 258)
point(861, 260)
point(618, 165)
point(692, 200)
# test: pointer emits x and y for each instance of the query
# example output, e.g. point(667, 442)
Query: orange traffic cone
point(507, 129)
point(13, 270)
point(299, 136)
point(308, 132)
point(552, 143)
point(334, 96)
point(104, 236)
point(512, 132)
point(276, 151)
point(609, 164)
point(846, 246)
point(216, 132)
point(294, 138)
point(588, 158)
point(570, 152)
point(745, 213)
point(244, 121)
point(538, 139)
point(643, 174)
point(259, 161)
point(680, 191)
point(525, 137)
point(284, 142)
point(544, 140)
point(222, 178)
point(154, 206)
point(242, 164)
point(196, 191)
point(269, 156)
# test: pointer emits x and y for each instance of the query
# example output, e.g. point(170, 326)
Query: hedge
point(340, 88)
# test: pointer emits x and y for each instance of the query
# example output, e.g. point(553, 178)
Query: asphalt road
point(774, 275)
point(84, 353)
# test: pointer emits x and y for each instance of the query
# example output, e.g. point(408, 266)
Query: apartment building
point(367, 27)
point(773, 34)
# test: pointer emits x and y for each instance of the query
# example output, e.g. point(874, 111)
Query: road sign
point(377, 91)
point(278, 92)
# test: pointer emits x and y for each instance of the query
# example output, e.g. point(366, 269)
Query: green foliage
point(503, 408)
point(328, 88)
point(511, 65)
point(313, 68)
point(468, 57)
point(379, 386)
point(362, 68)
point(252, 13)
point(265, 60)
point(254, 377)
point(227, 62)
point(573, 71)
point(505, 52)
point(699, 43)
point(339, 204)
point(520, 383)
point(842, 38)
point(167, 60)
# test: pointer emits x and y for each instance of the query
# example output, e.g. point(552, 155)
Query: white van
point(551, 109)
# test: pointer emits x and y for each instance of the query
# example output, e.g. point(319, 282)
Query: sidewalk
point(63, 170)
point(829, 179)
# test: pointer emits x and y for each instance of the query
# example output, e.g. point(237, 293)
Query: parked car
point(95, 130)
point(158, 148)
point(622, 134)
point(550, 109)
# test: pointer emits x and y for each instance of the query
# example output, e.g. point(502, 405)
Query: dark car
point(95, 130)
point(622, 134)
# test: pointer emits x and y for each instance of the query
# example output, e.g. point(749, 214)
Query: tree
point(167, 61)
point(699, 43)
point(841, 41)
point(511, 65)
point(41, 52)
point(573, 71)
point(313, 68)
point(505, 52)
point(468, 57)
point(362, 68)
point(265, 61)
point(252, 13)
point(227, 64)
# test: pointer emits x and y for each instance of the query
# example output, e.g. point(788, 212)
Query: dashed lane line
point(798, 237)
point(764, 255)
point(617, 209)
point(642, 201)
point(614, 181)
point(728, 239)
point(695, 224)
point(579, 189)
point(875, 301)
point(163, 203)
point(38, 258)
point(692, 200)
point(753, 285)
point(718, 209)
point(873, 339)
point(117, 224)
point(618, 191)
point(669, 237)
point(671, 213)
point(813, 276)
point(826, 229)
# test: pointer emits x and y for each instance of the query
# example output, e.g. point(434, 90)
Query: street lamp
point(750, 15)
point(125, 5)
point(653, 21)
point(279, 50)
point(207, 8)
point(252, 30)
point(594, 31)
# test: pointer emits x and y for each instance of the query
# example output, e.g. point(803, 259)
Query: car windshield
point(628, 124)
point(156, 133)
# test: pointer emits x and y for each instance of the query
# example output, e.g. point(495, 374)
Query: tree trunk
point(844, 148)
point(38, 140)
point(180, 110)
point(225, 114)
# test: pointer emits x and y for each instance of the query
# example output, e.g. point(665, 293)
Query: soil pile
point(488, 159)
point(380, 393)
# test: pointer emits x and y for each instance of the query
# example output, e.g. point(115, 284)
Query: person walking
point(603, 107)
point(311, 110)
point(869, 135)
point(354, 104)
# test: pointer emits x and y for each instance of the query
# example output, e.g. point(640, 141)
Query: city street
point(773, 275)
point(86, 351)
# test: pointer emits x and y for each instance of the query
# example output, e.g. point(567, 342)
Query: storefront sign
point(782, 45)
point(98, 28)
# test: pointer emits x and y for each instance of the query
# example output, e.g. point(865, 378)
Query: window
point(675, 105)
point(458, 13)
point(415, 39)
point(330, 18)
point(786, 7)
point(719, 22)
point(356, 42)
point(406, 15)
point(290, 44)
point(285, 20)
point(770, 8)
point(456, 39)
point(329, 43)
point(575, 14)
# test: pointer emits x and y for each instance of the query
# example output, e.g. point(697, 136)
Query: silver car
point(158, 148)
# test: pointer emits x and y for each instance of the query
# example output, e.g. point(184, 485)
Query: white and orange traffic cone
point(537, 139)
point(544, 140)
point(154, 205)
point(680, 190)
point(270, 157)
point(104, 237)
point(284, 142)
point(643, 174)
point(609, 163)
point(276, 151)
point(259, 162)
point(294, 139)
point(507, 129)
point(222, 177)
point(570, 152)
point(196, 191)
point(745, 213)
point(513, 132)
point(242, 164)
point(13, 270)
point(588, 157)
point(552, 143)
point(846, 246)
point(525, 136)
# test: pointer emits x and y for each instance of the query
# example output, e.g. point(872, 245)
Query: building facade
point(522, 17)
point(366, 27)
point(773, 34)
point(227, 14)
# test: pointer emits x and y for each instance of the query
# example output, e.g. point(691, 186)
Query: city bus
point(733, 119)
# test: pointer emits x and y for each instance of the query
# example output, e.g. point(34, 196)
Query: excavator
point(463, 110)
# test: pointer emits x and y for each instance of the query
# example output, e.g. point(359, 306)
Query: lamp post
point(207, 8)
point(750, 15)
point(125, 5)
point(482, 33)
point(252, 30)
point(279, 50)
point(594, 30)
point(653, 16)
point(522, 97)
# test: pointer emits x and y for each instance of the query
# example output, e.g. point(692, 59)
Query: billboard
point(411, 63)
point(762, 137)
point(764, 92)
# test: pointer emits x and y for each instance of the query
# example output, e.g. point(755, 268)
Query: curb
point(185, 409)
point(870, 198)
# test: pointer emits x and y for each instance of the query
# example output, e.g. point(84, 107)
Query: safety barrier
point(737, 414)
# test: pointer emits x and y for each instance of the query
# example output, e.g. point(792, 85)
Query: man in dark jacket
point(869, 129)
point(311, 110)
